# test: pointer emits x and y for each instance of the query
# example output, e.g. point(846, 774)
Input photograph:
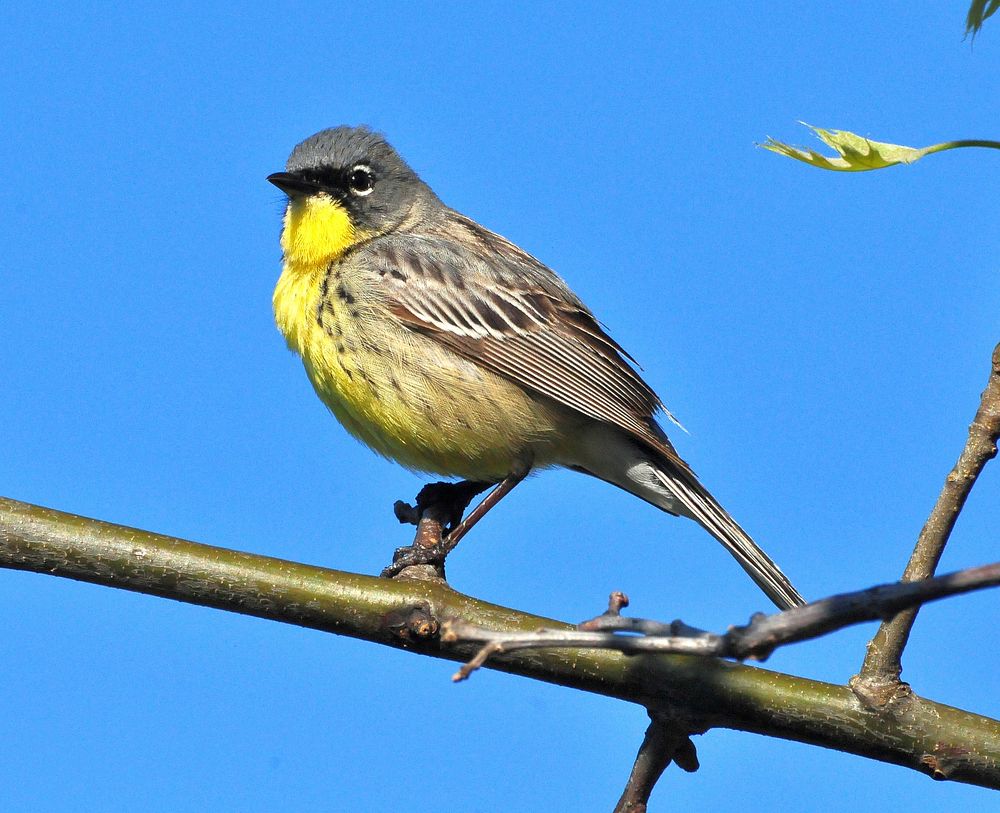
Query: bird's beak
point(293, 185)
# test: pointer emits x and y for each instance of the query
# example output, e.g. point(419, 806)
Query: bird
point(447, 348)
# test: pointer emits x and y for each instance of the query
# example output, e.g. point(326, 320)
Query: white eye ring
point(361, 180)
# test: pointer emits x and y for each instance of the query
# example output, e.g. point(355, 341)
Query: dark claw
point(438, 511)
point(413, 555)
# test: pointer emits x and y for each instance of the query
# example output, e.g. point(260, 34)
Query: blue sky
point(824, 337)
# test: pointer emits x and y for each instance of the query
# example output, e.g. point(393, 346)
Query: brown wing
point(499, 307)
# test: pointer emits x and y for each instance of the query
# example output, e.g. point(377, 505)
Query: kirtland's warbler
point(449, 349)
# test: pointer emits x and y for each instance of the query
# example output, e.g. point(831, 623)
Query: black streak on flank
point(344, 294)
point(322, 304)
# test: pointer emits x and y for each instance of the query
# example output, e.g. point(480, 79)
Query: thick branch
point(933, 738)
point(882, 666)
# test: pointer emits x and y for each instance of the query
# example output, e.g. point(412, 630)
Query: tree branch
point(755, 641)
point(878, 682)
point(665, 742)
point(929, 737)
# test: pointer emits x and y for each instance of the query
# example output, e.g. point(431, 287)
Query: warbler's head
point(344, 185)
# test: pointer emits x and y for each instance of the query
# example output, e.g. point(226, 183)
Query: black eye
point(361, 181)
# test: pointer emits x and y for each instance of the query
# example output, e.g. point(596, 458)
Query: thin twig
point(879, 676)
point(756, 641)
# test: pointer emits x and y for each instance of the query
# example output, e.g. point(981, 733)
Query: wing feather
point(489, 301)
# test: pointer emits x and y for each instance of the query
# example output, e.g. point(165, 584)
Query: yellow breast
point(316, 232)
point(400, 393)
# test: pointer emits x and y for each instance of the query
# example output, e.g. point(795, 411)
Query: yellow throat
point(317, 230)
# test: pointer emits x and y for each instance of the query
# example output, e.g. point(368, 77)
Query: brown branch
point(878, 682)
point(666, 741)
point(756, 641)
point(929, 737)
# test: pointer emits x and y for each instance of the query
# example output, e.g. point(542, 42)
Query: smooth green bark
point(936, 739)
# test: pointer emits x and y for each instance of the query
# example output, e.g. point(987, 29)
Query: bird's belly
point(420, 404)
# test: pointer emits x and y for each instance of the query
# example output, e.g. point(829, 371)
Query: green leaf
point(978, 12)
point(858, 154)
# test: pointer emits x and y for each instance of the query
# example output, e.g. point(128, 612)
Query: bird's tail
point(702, 507)
point(664, 480)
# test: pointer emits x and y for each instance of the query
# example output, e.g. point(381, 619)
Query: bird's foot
point(438, 511)
point(417, 562)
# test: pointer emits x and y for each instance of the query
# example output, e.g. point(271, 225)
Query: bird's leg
point(502, 489)
point(438, 517)
point(438, 510)
point(450, 500)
